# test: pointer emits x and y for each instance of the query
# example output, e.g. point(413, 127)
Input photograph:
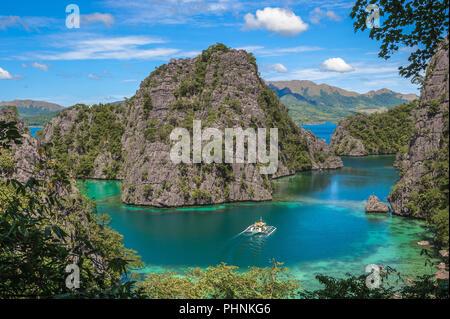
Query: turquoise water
point(322, 131)
point(34, 129)
point(320, 220)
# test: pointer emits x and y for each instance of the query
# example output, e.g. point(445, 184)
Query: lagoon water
point(320, 220)
point(322, 131)
point(34, 130)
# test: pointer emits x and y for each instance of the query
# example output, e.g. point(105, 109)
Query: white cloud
point(276, 20)
point(94, 76)
point(129, 80)
point(120, 48)
point(261, 51)
point(250, 48)
point(105, 18)
point(278, 67)
point(318, 14)
point(381, 72)
point(335, 65)
point(5, 75)
point(28, 23)
point(41, 66)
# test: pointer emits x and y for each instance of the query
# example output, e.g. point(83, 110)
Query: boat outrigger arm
point(260, 228)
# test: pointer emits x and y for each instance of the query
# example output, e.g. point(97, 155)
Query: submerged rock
point(425, 243)
point(374, 205)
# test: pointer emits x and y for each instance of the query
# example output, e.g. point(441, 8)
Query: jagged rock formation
point(320, 150)
point(374, 205)
point(343, 143)
point(220, 87)
point(420, 191)
point(379, 133)
point(88, 141)
point(18, 162)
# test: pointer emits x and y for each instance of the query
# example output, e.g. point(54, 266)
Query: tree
point(45, 225)
point(417, 24)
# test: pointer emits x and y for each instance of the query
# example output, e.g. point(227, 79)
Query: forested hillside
point(310, 102)
point(379, 133)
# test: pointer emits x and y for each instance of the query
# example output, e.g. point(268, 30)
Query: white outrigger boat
point(259, 228)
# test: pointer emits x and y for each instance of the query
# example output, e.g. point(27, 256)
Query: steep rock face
point(87, 140)
point(19, 162)
point(378, 133)
point(417, 162)
point(320, 150)
point(222, 89)
point(344, 144)
point(374, 205)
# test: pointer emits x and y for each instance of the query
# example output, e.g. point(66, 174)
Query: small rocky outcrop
point(221, 87)
point(374, 205)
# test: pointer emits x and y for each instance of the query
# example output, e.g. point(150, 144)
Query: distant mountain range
point(309, 102)
point(34, 113)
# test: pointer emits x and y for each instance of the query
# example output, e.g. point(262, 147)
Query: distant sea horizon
point(34, 130)
point(322, 131)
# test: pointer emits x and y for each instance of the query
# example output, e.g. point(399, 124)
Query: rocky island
point(130, 141)
point(374, 205)
point(374, 134)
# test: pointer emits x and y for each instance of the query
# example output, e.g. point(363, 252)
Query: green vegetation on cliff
point(379, 133)
point(38, 119)
point(293, 149)
point(310, 102)
point(95, 131)
point(430, 197)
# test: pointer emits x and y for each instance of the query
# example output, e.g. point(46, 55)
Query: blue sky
point(120, 42)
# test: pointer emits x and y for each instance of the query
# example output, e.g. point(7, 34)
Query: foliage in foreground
point(222, 282)
point(354, 287)
point(46, 225)
point(416, 24)
point(226, 282)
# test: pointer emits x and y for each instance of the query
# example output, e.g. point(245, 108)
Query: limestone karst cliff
point(19, 161)
point(422, 190)
point(222, 89)
point(378, 133)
